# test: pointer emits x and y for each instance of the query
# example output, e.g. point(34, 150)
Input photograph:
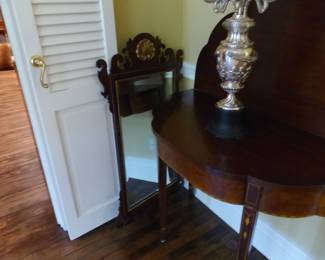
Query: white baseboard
point(189, 70)
point(141, 168)
point(267, 240)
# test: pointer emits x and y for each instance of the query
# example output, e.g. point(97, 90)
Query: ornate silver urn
point(236, 54)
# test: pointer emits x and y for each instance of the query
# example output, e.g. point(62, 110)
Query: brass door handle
point(38, 62)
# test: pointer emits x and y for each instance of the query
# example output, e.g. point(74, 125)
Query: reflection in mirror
point(136, 99)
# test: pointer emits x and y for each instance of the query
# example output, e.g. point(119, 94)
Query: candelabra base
point(229, 124)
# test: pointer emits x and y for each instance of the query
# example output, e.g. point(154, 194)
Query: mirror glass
point(136, 99)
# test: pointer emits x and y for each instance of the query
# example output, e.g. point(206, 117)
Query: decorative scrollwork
point(143, 51)
point(105, 80)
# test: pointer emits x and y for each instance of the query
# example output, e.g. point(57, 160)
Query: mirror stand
point(135, 85)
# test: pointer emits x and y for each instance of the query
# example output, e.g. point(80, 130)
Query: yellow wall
point(198, 22)
point(158, 17)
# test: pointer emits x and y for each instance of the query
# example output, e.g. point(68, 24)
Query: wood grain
point(25, 209)
point(273, 156)
point(196, 234)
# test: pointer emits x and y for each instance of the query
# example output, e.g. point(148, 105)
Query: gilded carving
point(145, 50)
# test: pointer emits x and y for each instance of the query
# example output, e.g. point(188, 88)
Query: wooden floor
point(28, 229)
point(139, 189)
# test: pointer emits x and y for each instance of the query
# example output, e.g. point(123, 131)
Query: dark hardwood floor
point(137, 190)
point(25, 210)
point(28, 229)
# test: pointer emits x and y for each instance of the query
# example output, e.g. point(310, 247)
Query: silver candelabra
point(236, 54)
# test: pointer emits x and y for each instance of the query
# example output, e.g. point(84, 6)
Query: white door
point(71, 122)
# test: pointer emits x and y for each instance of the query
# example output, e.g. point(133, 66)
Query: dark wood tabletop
point(287, 162)
point(279, 167)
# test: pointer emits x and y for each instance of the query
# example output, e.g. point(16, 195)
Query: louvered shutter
point(73, 127)
point(71, 37)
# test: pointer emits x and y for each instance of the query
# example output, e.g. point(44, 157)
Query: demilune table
point(279, 167)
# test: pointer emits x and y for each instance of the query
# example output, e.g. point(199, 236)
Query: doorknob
point(38, 62)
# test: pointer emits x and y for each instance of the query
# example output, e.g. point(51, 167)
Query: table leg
point(250, 213)
point(247, 228)
point(162, 200)
point(192, 191)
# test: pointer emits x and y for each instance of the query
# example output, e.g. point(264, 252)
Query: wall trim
point(189, 70)
point(267, 240)
point(141, 168)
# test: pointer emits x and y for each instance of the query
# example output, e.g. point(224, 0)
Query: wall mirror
point(136, 83)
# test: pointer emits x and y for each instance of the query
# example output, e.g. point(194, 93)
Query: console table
point(279, 168)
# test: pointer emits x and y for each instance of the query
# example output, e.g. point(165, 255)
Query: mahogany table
point(276, 169)
point(279, 167)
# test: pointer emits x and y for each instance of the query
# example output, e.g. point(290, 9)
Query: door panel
point(72, 117)
point(77, 130)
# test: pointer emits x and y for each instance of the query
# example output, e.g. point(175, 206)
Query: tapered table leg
point(192, 191)
point(162, 200)
point(250, 213)
point(247, 228)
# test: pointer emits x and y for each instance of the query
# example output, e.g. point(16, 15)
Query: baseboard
point(267, 240)
point(189, 70)
point(141, 168)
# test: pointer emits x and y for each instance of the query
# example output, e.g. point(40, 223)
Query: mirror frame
point(125, 67)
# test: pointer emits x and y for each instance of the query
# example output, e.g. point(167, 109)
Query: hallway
point(25, 209)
